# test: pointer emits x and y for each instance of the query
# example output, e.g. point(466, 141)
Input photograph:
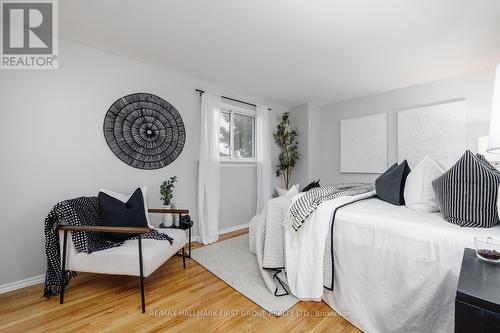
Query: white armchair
point(136, 257)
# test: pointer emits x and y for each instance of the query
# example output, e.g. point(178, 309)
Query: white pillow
point(419, 194)
point(292, 191)
point(124, 198)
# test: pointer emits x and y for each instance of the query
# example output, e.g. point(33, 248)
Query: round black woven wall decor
point(144, 131)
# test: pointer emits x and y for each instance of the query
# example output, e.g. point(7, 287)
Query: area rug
point(232, 262)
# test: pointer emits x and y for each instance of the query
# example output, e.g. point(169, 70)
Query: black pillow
point(390, 186)
point(115, 213)
point(467, 193)
point(310, 186)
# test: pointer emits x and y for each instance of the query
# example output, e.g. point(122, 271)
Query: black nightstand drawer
point(470, 318)
point(477, 304)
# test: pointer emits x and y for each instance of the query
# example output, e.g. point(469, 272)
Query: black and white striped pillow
point(467, 193)
point(483, 159)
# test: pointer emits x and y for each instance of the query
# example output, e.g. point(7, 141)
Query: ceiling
point(293, 52)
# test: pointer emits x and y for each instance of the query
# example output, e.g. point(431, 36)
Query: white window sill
point(238, 162)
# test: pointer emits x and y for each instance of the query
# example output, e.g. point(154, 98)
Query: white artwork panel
point(363, 144)
point(439, 131)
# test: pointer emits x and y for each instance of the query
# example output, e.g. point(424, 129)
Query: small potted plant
point(166, 192)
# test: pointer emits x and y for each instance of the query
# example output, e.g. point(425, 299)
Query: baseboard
point(196, 238)
point(41, 278)
point(234, 228)
point(21, 283)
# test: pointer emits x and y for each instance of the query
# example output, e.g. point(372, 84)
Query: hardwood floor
point(177, 300)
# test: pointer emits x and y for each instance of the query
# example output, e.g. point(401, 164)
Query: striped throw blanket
point(307, 203)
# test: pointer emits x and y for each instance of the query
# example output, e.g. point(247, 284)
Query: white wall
point(305, 118)
point(313, 137)
point(238, 194)
point(299, 121)
point(53, 148)
point(476, 88)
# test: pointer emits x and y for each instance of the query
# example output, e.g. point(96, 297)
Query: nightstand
point(183, 226)
point(477, 304)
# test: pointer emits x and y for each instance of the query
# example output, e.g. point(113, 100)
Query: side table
point(477, 304)
point(182, 226)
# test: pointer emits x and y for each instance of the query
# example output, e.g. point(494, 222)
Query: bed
point(405, 275)
point(396, 270)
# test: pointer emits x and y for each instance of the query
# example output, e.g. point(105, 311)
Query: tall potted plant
point(167, 193)
point(287, 140)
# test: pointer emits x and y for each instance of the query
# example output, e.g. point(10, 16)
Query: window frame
point(232, 109)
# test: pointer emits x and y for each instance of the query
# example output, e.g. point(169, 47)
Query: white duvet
point(305, 249)
point(396, 270)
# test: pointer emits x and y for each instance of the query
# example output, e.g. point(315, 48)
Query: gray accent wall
point(305, 118)
point(238, 194)
point(52, 147)
point(299, 120)
point(476, 88)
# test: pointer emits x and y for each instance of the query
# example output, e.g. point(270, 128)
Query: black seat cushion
point(115, 213)
point(467, 192)
point(390, 186)
point(310, 186)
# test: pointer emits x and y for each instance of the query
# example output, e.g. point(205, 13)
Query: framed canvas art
point(439, 131)
point(363, 144)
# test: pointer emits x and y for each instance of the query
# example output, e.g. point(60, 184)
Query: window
point(237, 134)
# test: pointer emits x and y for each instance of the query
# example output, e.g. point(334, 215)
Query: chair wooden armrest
point(123, 230)
point(168, 210)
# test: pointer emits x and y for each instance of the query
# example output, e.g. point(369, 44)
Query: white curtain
point(209, 169)
point(263, 155)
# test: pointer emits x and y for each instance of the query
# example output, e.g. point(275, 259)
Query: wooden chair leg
point(63, 268)
point(183, 258)
point(141, 277)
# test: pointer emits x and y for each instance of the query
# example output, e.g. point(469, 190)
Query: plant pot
point(168, 219)
point(175, 223)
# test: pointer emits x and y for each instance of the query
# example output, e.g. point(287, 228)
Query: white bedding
point(305, 249)
point(396, 270)
point(266, 232)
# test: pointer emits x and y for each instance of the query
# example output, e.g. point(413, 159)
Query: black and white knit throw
point(307, 203)
point(78, 211)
